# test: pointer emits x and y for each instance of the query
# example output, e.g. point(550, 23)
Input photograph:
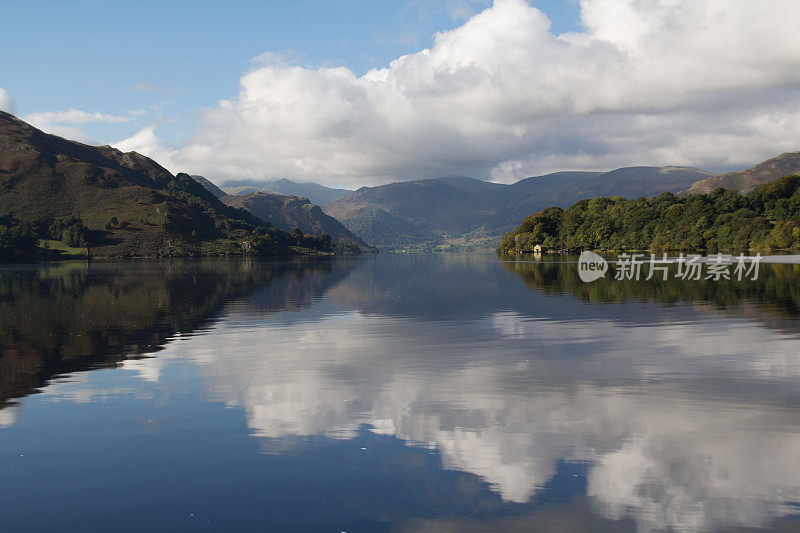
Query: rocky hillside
point(288, 212)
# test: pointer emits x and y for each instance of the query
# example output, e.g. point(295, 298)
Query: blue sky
point(350, 92)
point(174, 57)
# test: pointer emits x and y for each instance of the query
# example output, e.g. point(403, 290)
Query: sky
point(351, 93)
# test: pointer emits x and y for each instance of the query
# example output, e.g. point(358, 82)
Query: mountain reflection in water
point(420, 392)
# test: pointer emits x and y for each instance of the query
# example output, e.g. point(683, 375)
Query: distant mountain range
point(747, 180)
point(458, 212)
point(464, 210)
point(316, 193)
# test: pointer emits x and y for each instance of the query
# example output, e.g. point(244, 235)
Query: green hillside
point(767, 218)
point(118, 204)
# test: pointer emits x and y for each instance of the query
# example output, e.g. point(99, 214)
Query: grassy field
point(60, 246)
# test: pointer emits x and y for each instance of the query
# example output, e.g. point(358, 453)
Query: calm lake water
point(401, 393)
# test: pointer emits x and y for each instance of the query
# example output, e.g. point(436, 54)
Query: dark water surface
point(402, 393)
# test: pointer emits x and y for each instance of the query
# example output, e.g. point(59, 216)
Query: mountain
point(471, 184)
point(316, 193)
point(240, 190)
point(747, 180)
point(392, 231)
point(288, 212)
point(109, 203)
point(210, 187)
point(462, 211)
point(432, 206)
point(566, 188)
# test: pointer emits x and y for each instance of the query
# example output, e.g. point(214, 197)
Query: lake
point(396, 393)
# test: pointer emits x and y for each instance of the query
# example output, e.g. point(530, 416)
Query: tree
point(767, 217)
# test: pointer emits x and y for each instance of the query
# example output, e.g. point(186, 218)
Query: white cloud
point(711, 83)
point(74, 116)
point(8, 415)
point(676, 454)
point(146, 142)
point(7, 103)
point(64, 123)
point(676, 420)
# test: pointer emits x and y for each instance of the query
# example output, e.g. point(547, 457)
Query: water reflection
point(670, 453)
point(776, 289)
point(66, 317)
point(649, 407)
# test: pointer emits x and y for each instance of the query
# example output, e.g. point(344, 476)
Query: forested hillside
point(61, 195)
point(767, 218)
